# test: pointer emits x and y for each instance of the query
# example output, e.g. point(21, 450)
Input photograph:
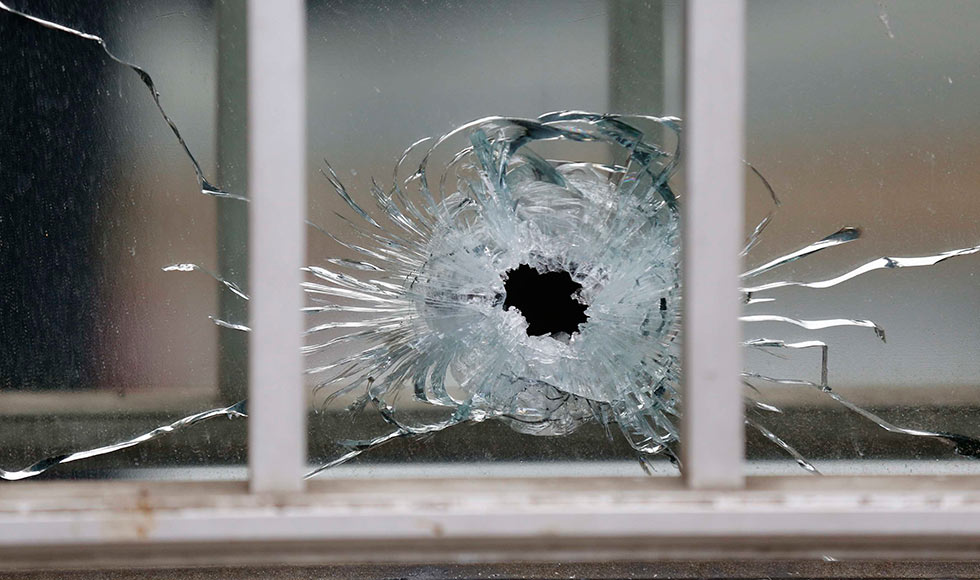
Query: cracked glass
point(862, 117)
point(103, 351)
point(493, 255)
point(502, 58)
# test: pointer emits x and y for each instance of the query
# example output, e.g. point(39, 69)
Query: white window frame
point(277, 518)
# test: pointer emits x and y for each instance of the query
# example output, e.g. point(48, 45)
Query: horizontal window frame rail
point(603, 519)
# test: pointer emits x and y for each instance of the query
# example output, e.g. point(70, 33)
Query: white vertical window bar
point(713, 424)
point(277, 190)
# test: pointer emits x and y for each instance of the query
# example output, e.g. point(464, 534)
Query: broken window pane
point(814, 259)
point(456, 282)
point(99, 343)
point(414, 299)
point(862, 115)
point(593, 56)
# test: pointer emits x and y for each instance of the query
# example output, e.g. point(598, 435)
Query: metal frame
point(713, 513)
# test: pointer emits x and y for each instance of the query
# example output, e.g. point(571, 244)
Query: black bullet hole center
point(545, 300)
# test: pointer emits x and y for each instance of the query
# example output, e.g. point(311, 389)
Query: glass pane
point(100, 344)
point(863, 115)
point(514, 312)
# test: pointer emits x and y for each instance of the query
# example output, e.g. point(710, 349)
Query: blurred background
point(859, 113)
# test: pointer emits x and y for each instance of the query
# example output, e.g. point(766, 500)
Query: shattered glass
point(485, 290)
point(504, 285)
point(449, 65)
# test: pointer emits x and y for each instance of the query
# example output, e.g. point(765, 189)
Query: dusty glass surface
point(98, 344)
point(864, 115)
point(480, 303)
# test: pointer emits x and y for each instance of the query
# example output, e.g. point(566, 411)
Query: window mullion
point(713, 424)
point(277, 246)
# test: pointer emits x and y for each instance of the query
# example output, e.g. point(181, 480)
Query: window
point(362, 515)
